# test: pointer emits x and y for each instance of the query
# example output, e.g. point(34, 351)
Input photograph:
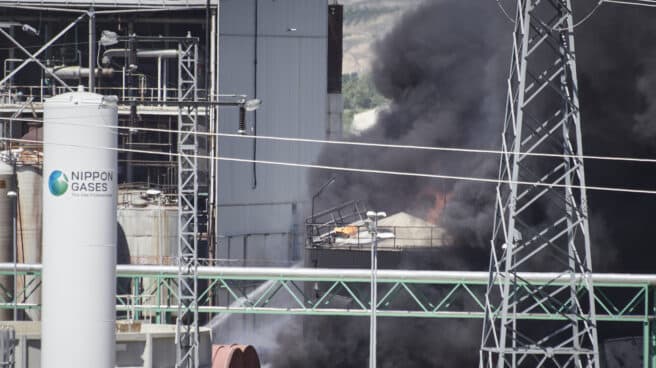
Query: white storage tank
point(150, 225)
point(148, 235)
point(29, 229)
point(79, 231)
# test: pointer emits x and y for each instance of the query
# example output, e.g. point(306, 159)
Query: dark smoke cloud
point(342, 342)
point(618, 98)
point(443, 67)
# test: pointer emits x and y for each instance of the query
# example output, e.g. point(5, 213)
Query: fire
point(439, 201)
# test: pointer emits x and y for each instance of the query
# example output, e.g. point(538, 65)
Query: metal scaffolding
point(187, 336)
point(541, 228)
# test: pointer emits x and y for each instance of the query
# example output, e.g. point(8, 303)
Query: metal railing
point(322, 223)
point(17, 94)
point(390, 237)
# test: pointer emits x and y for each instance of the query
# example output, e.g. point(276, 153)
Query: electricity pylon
point(541, 220)
point(187, 323)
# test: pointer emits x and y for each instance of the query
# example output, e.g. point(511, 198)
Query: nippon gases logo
point(81, 183)
point(58, 183)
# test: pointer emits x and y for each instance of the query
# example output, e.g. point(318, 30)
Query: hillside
point(364, 22)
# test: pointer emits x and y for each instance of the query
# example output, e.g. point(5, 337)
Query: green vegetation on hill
point(360, 94)
point(364, 13)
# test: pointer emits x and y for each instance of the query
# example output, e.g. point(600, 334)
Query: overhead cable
point(350, 169)
point(647, 3)
point(352, 143)
point(583, 20)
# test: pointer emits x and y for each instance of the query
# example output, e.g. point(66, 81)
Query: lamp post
point(372, 223)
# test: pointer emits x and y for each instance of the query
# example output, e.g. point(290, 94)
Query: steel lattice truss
point(541, 227)
point(187, 335)
point(150, 292)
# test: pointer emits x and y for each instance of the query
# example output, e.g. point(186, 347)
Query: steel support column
point(649, 330)
point(187, 319)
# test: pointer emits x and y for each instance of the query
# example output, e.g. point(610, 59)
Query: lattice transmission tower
point(541, 226)
point(187, 331)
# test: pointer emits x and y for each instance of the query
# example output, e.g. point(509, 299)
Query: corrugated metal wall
point(280, 59)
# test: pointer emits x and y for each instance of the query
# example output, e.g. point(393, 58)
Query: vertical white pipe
point(92, 50)
point(217, 91)
point(159, 78)
point(123, 81)
point(165, 78)
point(212, 141)
point(374, 296)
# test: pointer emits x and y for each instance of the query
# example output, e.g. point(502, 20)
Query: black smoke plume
point(443, 68)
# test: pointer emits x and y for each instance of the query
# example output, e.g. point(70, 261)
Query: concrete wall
point(280, 59)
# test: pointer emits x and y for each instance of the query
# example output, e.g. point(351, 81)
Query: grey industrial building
point(276, 51)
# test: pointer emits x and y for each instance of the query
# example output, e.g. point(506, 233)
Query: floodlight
point(376, 215)
point(252, 105)
point(108, 38)
point(29, 29)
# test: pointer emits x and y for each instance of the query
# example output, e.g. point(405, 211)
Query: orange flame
point(439, 200)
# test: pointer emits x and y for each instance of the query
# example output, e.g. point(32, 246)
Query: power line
point(503, 10)
point(646, 3)
point(355, 170)
point(580, 22)
point(583, 20)
point(353, 143)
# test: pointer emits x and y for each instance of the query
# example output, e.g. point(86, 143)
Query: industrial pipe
point(356, 275)
point(77, 72)
point(144, 54)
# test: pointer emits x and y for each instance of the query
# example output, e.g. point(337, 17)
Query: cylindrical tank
point(227, 356)
point(150, 225)
point(79, 231)
point(29, 229)
point(6, 228)
point(234, 356)
point(251, 359)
